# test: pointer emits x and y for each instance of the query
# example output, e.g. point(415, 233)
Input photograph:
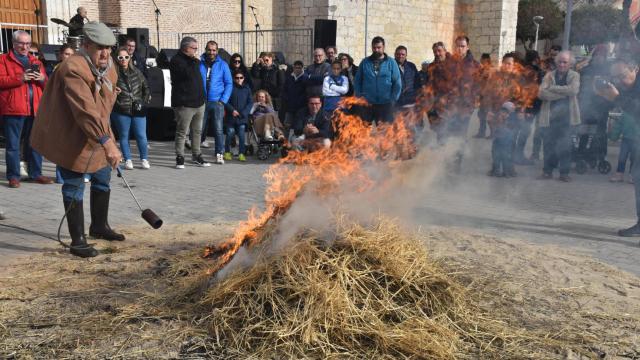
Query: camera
point(601, 83)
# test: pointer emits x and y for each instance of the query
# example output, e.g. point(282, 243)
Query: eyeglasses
point(315, 103)
point(28, 43)
point(237, 61)
point(193, 47)
point(34, 53)
point(239, 77)
point(125, 57)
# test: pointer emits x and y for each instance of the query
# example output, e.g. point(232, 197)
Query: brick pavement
point(583, 215)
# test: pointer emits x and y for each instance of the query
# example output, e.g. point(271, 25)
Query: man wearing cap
point(73, 132)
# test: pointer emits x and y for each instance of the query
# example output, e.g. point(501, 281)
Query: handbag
point(138, 108)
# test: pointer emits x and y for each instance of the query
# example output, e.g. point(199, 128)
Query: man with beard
point(74, 132)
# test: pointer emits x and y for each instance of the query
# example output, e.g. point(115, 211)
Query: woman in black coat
point(236, 62)
point(237, 114)
point(349, 70)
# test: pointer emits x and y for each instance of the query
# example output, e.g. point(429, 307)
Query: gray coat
point(549, 92)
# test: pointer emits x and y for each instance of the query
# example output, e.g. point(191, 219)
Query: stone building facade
point(490, 24)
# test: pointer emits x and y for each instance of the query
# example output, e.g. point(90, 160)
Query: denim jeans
point(123, 124)
point(13, 127)
point(627, 151)
point(214, 114)
point(502, 149)
point(73, 187)
point(520, 137)
point(557, 148)
point(231, 132)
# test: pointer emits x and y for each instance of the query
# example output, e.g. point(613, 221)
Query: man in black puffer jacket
point(187, 99)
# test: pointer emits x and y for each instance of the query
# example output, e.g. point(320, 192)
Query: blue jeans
point(73, 187)
point(214, 113)
point(627, 150)
point(502, 149)
point(123, 124)
point(231, 131)
point(13, 127)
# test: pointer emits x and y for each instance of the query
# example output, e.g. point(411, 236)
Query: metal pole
point(567, 25)
point(536, 43)
point(243, 5)
point(366, 27)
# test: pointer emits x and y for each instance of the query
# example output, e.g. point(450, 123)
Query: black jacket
point(133, 87)
point(351, 75)
point(321, 121)
point(293, 96)
point(187, 88)
point(270, 79)
point(241, 102)
point(410, 84)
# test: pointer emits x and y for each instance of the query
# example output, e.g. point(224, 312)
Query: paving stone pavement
point(582, 215)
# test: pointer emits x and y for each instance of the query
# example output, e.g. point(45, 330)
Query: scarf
point(101, 75)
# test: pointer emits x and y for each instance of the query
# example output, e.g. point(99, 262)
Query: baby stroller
point(260, 146)
point(590, 149)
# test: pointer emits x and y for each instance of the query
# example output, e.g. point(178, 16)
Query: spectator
point(270, 77)
point(484, 75)
point(129, 112)
point(237, 109)
point(187, 99)
point(349, 70)
point(463, 72)
point(316, 72)
point(311, 129)
point(265, 119)
point(504, 123)
point(534, 72)
point(438, 86)
point(22, 81)
point(218, 85)
point(236, 62)
point(558, 114)
point(626, 127)
point(423, 74)
point(332, 54)
point(624, 92)
point(35, 51)
point(549, 64)
point(293, 96)
point(334, 87)
point(410, 78)
point(378, 80)
point(137, 60)
point(64, 53)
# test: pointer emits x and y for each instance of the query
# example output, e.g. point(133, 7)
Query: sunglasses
point(237, 61)
point(34, 53)
point(125, 57)
point(239, 77)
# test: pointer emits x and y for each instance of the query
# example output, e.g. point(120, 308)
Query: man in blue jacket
point(378, 81)
point(218, 85)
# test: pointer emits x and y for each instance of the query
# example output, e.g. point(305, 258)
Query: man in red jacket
point(22, 79)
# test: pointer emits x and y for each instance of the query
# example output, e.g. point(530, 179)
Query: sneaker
point(241, 157)
point(128, 165)
point(227, 156)
point(86, 179)
point(617, 177)
point(23, 169)
point(630, 232)
point(205, 144)
point(14, 183)
point(179, 162)
point(199, 161)
point(145, 164)
point(219, 159)
point(565, 178)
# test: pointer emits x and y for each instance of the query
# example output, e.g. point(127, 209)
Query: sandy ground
point(53, 305)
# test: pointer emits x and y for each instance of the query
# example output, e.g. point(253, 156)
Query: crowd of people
point(551, 100)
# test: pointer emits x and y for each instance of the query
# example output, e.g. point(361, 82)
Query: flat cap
point(99, 33)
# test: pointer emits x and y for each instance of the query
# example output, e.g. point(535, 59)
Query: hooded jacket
point(381, 86)
point(220, 83)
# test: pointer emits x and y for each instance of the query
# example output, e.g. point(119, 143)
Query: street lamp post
point(536, 20)
point(567, 25)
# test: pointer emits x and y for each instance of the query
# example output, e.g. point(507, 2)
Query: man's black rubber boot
point(75, 221)
point(100, 229)
point(630, 232)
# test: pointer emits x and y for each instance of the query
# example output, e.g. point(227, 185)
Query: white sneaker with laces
point(145, 164)
point(23, 169)
point(128, 165)
point(205, 144)
point(219, 159)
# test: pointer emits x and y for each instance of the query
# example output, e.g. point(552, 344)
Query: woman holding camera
point(129, 112)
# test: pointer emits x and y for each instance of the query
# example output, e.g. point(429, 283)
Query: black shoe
point(75, 222)
point(630, 232)
point(179, 162)
point(565, 178)
point(199, 161)
point(100, 229)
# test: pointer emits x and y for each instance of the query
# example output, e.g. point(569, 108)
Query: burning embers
point(324, 172)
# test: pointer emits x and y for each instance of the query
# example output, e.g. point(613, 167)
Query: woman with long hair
point(236, 63)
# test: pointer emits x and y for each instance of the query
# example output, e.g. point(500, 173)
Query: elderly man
point(74, 133)
point(332, 54)
point(378, 80)
point(22, 81)
point(315, 73)
point(188, 100)
point(558, 115)
point(77, 22)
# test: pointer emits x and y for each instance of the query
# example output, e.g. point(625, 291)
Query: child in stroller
point(266, 129)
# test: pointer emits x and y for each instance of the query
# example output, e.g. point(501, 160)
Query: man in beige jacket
point(72, 130)
point(559, 114)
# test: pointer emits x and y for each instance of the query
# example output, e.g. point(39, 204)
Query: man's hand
point(118, 90)
point(38, 76)
point(114, 156)
point(28, 76)
point(310, 129)
point(608, 92)
point(235, 113)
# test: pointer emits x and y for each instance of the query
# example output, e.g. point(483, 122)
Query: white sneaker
point(23, 169)
point(86, 180)
point(145, 164)
point(219, 159)
point(205, 144)
point(128, 165)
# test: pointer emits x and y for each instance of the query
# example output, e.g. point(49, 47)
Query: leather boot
point(100, 229)
point(75, 221)
point(633, 231)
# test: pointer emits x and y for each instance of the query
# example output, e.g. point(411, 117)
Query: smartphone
point(35, 68)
